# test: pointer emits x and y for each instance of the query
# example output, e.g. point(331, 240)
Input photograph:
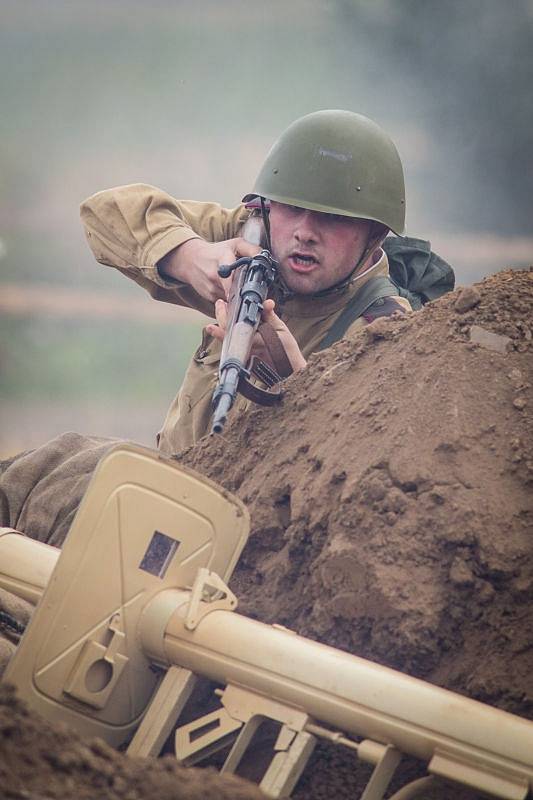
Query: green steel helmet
point(337, 162)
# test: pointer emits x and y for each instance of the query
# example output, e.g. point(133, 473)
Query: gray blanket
point(41, 490)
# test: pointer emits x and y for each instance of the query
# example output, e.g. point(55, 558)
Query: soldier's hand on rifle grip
point(294, 354)
point(196, 263)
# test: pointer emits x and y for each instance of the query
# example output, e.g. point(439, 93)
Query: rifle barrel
point(224, 396)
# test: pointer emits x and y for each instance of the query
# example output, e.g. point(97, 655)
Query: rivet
point(358, 188)
point(275, 171)
point(402, 202)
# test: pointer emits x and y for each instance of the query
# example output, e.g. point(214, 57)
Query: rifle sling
point(269, 374)
point(374, 289)
point(263, 397)
point(276, 351)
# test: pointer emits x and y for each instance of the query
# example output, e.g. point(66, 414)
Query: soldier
point(329, 192)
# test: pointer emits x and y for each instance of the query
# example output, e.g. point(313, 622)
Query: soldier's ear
point(379, 230)
point(377, 235)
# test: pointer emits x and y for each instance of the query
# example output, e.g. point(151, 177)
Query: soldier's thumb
point(244, 248)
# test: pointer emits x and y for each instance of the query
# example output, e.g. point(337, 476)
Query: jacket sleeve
point(132, 227)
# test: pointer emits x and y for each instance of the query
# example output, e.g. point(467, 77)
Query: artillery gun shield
point(145, 525)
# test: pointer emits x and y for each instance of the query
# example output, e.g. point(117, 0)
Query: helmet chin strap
point(266, 223)
point(375, 240)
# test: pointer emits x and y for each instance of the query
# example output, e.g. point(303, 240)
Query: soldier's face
point(315, 250)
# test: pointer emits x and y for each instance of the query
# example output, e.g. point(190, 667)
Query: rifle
point(252, 281)
point(153, 546)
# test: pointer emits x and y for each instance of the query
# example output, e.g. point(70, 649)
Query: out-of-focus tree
point(470, 65)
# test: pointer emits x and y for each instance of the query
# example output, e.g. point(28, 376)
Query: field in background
point(190, 98)
point(101, 374)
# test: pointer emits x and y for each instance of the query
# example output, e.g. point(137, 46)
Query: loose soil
point(40, 761)
point(392, 516)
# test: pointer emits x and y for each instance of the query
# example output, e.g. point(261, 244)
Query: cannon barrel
point(453, 733)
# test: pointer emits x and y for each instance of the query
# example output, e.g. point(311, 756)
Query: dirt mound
point(391, 498)
point(391, 504)
point(40, 761)
point(391, 494)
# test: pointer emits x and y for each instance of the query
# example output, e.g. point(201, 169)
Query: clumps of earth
point(391, 498)
point(41, 761)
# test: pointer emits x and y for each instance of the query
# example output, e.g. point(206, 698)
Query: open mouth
point(302, 262)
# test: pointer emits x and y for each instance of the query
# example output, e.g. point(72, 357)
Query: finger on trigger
point(226, 287)
point(221, 313)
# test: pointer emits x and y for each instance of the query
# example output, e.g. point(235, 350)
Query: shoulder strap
point(374, 289)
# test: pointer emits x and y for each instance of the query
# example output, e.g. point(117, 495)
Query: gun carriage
point(137, 605)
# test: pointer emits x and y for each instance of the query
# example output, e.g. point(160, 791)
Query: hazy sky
point(190, 95)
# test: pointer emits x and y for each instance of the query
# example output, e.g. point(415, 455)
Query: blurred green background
point(189, 96)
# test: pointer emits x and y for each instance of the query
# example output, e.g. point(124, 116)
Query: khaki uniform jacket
point(133, 227)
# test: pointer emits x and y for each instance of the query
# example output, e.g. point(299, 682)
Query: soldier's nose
point(306, 227)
